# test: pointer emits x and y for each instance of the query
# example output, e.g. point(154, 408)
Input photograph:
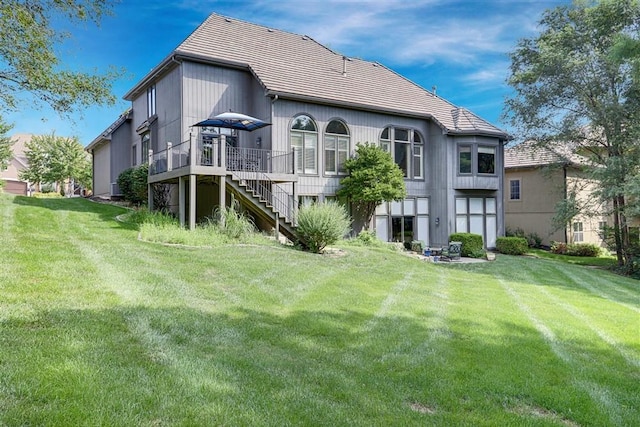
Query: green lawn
point(99, 328)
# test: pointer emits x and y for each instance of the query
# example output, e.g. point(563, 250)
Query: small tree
point(5, 145)
point(373, 178)
point(57, 159)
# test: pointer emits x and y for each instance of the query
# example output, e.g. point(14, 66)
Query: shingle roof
point(106, 134)
point(296, 66)
point(530, 154)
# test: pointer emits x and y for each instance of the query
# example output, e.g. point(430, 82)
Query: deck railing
point(283, 203)
point(208, 153)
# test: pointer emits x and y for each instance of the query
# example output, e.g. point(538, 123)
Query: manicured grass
point(100, 328)
point(603, 261)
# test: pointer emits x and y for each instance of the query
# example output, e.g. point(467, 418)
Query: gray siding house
point(320, 104)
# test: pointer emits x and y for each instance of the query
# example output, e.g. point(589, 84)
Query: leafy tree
point(373, 178)
point(57, 159)
point(29, 63)
point(578, 81)
point(5, 145)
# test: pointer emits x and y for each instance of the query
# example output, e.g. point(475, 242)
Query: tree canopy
point(578, 81)
point(5, 145)
point(373, 178)
point(57, 159)
point(29, 62)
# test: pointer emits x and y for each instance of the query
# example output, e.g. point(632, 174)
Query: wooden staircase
point(266, 199)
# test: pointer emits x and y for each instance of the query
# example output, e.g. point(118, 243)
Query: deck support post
point(181, 201)
point(222, 182)
point(192, 202)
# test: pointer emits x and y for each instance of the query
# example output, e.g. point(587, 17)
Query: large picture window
point(406, 147)
point(304, 139)
point(336, 147)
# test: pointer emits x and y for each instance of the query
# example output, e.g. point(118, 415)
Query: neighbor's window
point(304, 139)
point(134, 155)
point(578, 235)
point(514, 189)
point(464, 159)
point(406, 147)
point(151, 100)
point(336, 147)
point(486, 160)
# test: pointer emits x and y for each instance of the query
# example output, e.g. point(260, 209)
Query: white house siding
point(102, 170)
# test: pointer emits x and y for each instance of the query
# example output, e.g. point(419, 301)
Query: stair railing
point(269, 192)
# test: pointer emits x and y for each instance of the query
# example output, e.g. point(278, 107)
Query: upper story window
point(486, 160)
point(304, 139)
point(464, 159)
point(134, 155)
point(514, 189)
point(478, 159)
point(336, 147)
point(406, 147)
point(151, 101)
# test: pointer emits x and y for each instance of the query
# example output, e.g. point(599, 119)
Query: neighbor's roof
point(19, 146)
point(297, 67)
point(530, 154)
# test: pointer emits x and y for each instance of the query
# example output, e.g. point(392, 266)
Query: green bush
point(471, 244)
point(2, 184)
point(321, 224)
point(133, 184)
point(417, 246)
point(558, 248)
point(533, 239)
point(512, 245)
point(583, 249)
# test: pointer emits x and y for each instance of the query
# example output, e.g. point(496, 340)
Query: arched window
point(336, 147)
point(304, 138)
point(406, 147)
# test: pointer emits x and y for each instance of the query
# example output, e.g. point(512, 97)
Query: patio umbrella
point(232, 120)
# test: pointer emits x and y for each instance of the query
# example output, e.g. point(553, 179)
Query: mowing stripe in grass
point(597, 393)
point(588, 322)
point(575, 274)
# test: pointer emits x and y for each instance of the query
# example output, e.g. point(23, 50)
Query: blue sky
point(458, 46)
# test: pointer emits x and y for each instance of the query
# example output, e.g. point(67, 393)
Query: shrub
point(133, 184)
point(2, 184)
point(321, 224)
point(471, 244)
point(417, 246)
point(558, 248)
point(533, 239)
point(512, 245)
point(583, 249)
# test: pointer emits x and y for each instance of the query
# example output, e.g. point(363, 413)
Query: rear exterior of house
point(536, 180)
point(320, 105)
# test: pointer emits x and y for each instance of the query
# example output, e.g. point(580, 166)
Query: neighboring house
point(536, 180)
point(320, 104)
point(18, 163)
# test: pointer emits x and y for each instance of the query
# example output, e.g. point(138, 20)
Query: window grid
point(514, 189)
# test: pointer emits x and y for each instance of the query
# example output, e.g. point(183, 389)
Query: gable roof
point(106, 134)
point(294, 66)
point(529, 154)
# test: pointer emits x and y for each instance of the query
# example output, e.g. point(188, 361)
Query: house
point(536, 180)
point(320, 104)
point(18, 163)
